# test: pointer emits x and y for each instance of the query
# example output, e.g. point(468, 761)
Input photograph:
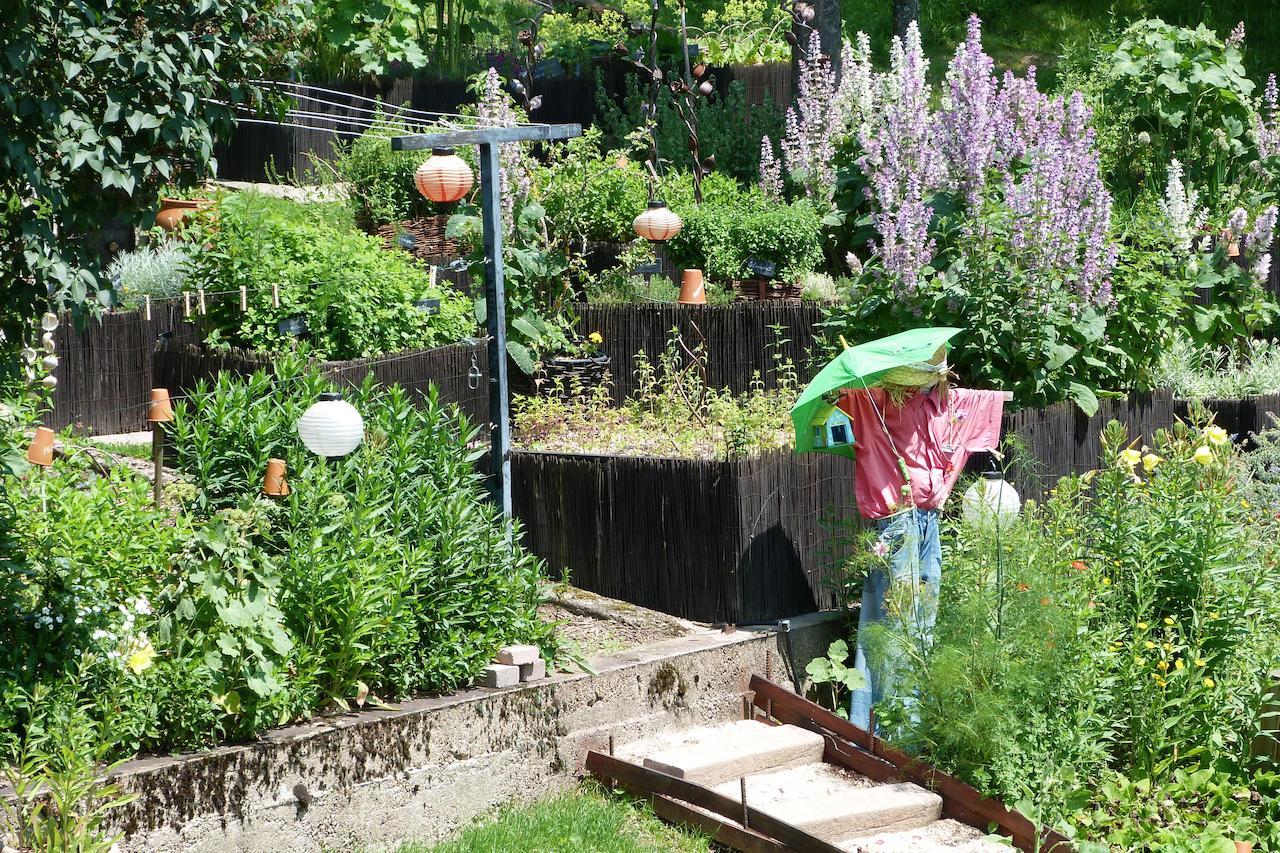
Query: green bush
point(357, 298)
point(156, 271)
point(719, 237)
point(590, 194)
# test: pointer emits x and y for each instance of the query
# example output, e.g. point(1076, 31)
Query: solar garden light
point(332, 427)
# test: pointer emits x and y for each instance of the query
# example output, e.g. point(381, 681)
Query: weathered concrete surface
point(712, 754)
point(374, 779)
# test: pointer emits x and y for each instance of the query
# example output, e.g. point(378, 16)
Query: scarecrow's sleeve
point(978, 415)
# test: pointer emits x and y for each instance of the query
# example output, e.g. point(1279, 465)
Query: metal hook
point(473, 375)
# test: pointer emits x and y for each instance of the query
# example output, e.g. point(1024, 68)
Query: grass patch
point(135, 451)
point(585, 820)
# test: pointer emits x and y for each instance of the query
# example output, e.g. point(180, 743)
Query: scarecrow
point(910, 435)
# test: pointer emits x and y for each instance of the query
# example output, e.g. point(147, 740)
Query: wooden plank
point(606, 768)
point(721, 830)
point(456, 138)
point(792, 708)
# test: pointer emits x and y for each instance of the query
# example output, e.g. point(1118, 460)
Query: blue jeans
point(914, 574)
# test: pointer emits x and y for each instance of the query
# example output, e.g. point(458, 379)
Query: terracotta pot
point(159, 409)
point(41, 450)
point(692, 289)
point(274, 483)
point(1244, 847)
point(174, 210)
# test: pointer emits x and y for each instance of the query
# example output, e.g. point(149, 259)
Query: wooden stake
point(742, 792)
point(147, 302)
point(275, 295)
point(244, 298)
point(186, 303)
point(157, 454)
point(610, 746)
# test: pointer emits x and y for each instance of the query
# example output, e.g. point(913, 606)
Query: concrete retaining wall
point(421, 771)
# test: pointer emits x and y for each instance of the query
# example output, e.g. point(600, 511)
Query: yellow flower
point(1106, 581)
point(1168, 647)
point(1160, 682)
point(1178, 664)
point(1140, 661)
point(1150, 461)
point(1203, 455)
point(1149, 644)
point(1130, 457)
point(1208, 682)
point(596, 338)
point(1213, 615)
point(1216, 435)
point(143, 654)
point(1244, 504)
point(1164, 665)
point(1142, 626)
point(1200, 662)
point(1168, 620)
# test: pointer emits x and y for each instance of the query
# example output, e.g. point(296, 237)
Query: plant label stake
point(244, 298)
point(147, 303)
point(490, 141)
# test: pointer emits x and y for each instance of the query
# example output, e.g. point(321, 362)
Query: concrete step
point(942, 836)
point(716, 754)
point(833, 804)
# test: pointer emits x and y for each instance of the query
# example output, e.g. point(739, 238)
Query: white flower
point(1180, 208)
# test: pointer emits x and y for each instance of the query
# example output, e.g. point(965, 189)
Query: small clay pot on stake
point(1244, 847)
point(159, 411)
point(41, 450)
point(274, 483)
point(693, 290)
point(174, 210)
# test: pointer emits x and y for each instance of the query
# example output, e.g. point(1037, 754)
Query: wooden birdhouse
point(831, 428)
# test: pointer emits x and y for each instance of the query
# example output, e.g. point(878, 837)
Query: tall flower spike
point(770, 171)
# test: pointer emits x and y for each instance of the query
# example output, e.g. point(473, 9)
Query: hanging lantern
point(658, 223)
point(41, 450)
point(159, 409)
point(991, 498)
point(274, 483)
point(331, 427)
point(444, 177)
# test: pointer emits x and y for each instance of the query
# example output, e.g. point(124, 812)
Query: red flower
point(1022, 587)
point(1044, 602)
point(1079, 565)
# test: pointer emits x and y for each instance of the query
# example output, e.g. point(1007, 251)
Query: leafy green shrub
point(728, 128)
point(397, 575)
point(356, 297)
point(590, 194)
point(1122, 631)
point(156, 271)
point(1198, 372)
point(719, 238)
point(379, 181)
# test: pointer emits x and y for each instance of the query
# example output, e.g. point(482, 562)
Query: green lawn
point(1018, 33)
point(585, 820)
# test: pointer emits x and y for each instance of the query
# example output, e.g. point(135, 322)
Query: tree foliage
point(104, 104)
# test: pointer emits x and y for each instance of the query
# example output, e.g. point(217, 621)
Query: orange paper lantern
point(274, 483)
point(658, 223)
point(444, 177)
point(41, 450)
point(159, 409)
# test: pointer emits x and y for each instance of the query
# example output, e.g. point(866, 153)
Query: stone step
point(833, 804)
point(716, 754)
point(941, 836)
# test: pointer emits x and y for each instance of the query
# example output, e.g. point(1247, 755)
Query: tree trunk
point(904, 12)
point(827, 22)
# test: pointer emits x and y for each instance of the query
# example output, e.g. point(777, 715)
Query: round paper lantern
point(990, 499)
point(331, 427)
point(444, 177)
point(658, 223)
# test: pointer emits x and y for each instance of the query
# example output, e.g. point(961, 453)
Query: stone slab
point(500, 675)
point(533, 671)
point(517, 655)
point(715, 754)
point(833, 804)
point(942, 836)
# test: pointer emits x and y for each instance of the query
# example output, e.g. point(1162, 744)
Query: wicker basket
point(755, 289)
point(427, 233)
point(565, 377)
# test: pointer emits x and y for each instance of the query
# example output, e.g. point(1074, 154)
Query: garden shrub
point(157, 271)
point(221, 613)
point(1191, 371)
point(719, 238)
point(1109, 651)
point(590, 194)
point(357, 298)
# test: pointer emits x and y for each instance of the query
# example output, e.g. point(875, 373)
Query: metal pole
point(496, 315)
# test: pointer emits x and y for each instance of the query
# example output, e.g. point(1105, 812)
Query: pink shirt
point(934, 440)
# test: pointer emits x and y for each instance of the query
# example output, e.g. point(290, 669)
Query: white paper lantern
point(331, 427)
point(49, 321)
point(991, 498)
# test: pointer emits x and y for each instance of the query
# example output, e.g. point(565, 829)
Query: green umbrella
point(861, 366)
